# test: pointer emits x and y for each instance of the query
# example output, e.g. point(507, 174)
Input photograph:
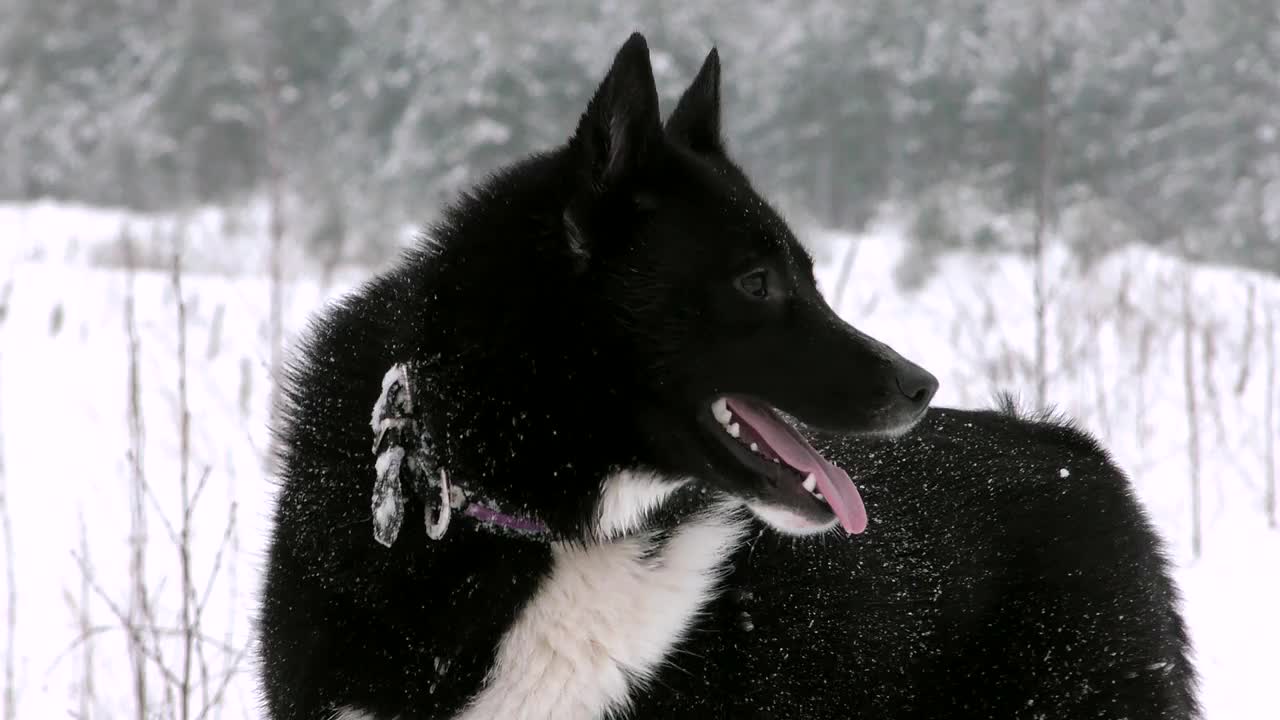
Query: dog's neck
point(630, 503)
point(532, 465)
point(634, 502)
point(613, 607)
point(612, 603)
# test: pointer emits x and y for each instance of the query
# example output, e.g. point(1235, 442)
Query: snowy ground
point(63, 399)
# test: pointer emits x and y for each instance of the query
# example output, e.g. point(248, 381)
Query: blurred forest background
point(1074, 200)
point(1159, 118)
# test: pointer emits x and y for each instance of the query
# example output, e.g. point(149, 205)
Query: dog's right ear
point(616, 137)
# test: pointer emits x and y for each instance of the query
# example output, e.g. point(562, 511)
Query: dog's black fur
point(1008, 572)
point(576, 315)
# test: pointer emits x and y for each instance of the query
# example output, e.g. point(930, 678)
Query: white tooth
point(819, 496)
point(720, 408)
point(755, 448)
point(735, 430)
point(810, 483)
point(776, 460)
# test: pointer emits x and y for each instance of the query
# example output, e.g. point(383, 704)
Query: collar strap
point(389, 505)
point(486, 514)
point(490, 516)
point(402, 446)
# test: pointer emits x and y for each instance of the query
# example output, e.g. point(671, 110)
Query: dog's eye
point(755, 284)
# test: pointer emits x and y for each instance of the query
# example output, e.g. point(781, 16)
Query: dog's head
point(713, 310)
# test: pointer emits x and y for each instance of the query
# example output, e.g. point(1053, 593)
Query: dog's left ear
point(621, 125)
point(616, 139)
point(695, 123)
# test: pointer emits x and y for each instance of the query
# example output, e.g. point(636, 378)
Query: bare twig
point(202, 604)
point(1269, 428)
point(1209, 351)
point(1246, 349)
point(188, 622)
point(169, 529)
point(10, 703)
point(1146, 338)
point(846, 272)
point(234, 546)
point(85, 621)
point(227, 535)
point(228, 675)
point(204, 475)
point(274, 184)
point(1043, 208)
point(1193, 418)
point(132, 630)
point(87, 634)
point(1100, 379)
point(138, 602)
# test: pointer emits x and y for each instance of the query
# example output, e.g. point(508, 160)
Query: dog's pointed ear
point(617, 138)
point(621, 125)
point(695, 123)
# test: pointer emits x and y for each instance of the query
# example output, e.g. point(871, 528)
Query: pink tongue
point(791, 448)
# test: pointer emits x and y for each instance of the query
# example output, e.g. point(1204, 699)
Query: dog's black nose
point(916, 384)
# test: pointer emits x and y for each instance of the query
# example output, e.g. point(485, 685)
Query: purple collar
point(455, 498)
point(487, 515)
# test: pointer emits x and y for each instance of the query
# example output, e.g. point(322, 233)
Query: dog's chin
point(899, 425)
point(788, 521)
point(887, 424)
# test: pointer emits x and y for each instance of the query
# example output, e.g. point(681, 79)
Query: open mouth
point(776, 450)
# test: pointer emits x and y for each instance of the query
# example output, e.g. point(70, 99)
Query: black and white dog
point(588, 495)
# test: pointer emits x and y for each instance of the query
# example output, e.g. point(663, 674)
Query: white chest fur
point(606, 617)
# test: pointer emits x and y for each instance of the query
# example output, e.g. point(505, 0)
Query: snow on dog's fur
point(652, 425)
point(607, 616)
